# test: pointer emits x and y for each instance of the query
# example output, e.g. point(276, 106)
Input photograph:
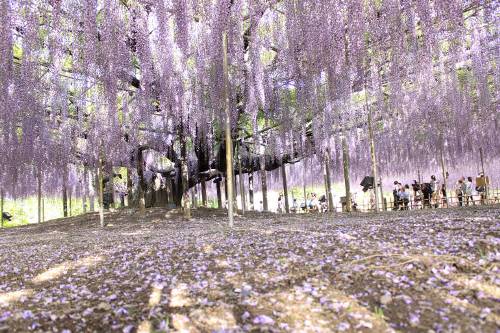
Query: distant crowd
point(432, 194)
point(435, 194)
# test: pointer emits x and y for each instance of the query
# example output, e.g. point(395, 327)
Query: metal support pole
point(229, 140)
point(285, 188)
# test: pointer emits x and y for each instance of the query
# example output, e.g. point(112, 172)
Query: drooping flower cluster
point(83, 78)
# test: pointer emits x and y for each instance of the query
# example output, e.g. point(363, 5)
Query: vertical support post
point(85, 189)
point(142, 184)
point(112, 186)
point(219, 194)
point(242, 184)
point(39, 192)
point(100, 188)
point(347, 181)
point(481, 156)
point(193, 197)
point(186, 205)
point(65, 195)
point(250, 191)
point(229, 140)
point(129, 188)
point(92, 193)
point(235, 189)
point(203, 191)
point(263, 179)
point(285, 188)
point(328, 179)
point(304, 182)
point(445, 179)
point(69, 201)
point(382, 201)
point(372, 154)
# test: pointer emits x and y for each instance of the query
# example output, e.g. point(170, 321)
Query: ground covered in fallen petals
point(423, 271)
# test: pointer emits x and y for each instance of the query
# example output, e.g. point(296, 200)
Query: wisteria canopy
point(81, 79)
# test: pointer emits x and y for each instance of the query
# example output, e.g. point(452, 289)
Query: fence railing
point(492, 197)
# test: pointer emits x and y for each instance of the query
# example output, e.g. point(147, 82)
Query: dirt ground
point(420, 271)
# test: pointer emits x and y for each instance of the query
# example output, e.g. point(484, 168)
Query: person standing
point(395, 194)
point(434, 191)
point(468, 192)
point(460, 191)
point(280, 204)
point(444, 196)
point(404, 196)
point(481, 184)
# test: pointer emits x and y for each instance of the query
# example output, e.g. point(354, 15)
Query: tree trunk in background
point(43, 210)
point(219, 195)
point(263, 178)
point(347, 181)
point(304, 182)
point(85, 189)
point(443, 169)
point(130, 187)
point(285, 188)
point(94, 189)
point(235, 191)
point(112, 186)
point(203, 192)
point(141, 189)
point(193, 197)
point(177, 188)
point(481, 157)
point(328, 179)
point(65, 195)
point(186, 205)
point(39, 178)
point(69, 202)
point(229, 139)
point(373, 157)
point(384, 206)
point(167, 191)
point(225, 192)
point(242, 184)
point(250, 191)
point(100, 189)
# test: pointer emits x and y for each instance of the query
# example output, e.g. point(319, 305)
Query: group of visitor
point(433, 194)
point(401, 195)
point(463, 191)
point(311, 204)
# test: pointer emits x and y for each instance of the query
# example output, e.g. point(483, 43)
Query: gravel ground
point(419, 271)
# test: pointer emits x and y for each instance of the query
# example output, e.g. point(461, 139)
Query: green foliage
point(17, 51)
point(379, 312)
point(25, 211)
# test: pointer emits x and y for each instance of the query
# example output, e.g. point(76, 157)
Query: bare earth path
point(425, 271)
